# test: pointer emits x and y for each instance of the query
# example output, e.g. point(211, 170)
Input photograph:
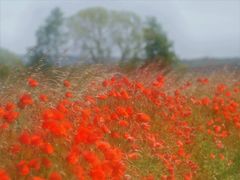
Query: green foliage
point(157, 45)
point(148, 165)
point(50, 41)
point(102, 34)
point(87, 28)
point(8, 58)
point(8, 61)
point(126, 32)
point(232, 171)
point(4, 71)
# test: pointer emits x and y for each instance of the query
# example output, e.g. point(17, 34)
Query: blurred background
point(60, 33)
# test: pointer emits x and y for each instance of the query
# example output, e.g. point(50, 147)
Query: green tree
point(89, 29)
point(102, 35)
point(157, 45)
point(126, 32)
point(50, 40)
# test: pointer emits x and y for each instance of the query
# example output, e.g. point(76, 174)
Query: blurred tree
point(89, 29)
point(100, 35)
point(157, 45)
point(126, 32)
point(50, 41)
point(103, 35)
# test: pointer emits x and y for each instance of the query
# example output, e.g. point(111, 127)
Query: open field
point(101, 123)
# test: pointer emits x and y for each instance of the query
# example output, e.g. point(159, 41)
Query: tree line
point(99, 35)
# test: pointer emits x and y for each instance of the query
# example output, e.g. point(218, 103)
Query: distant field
point(99, 122)
point(212, 64)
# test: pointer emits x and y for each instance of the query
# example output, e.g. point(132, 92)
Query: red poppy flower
point(55, 176)
point(142, 117)
point(10, 116)
point(32, 82)
point(66, 83)
point(47, 148)
point(43, 97)
point(46, 162)
point(4, 175)
point(25, 100)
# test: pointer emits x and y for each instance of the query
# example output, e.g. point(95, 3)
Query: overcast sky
point(197, 28)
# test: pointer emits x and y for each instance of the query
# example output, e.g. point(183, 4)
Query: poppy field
point(100, 125)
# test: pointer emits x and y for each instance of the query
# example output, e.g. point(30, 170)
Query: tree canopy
point(157, 45)
point(50, 40)
point(100, 35)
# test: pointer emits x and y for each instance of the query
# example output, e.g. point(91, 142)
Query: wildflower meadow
point(150, 125)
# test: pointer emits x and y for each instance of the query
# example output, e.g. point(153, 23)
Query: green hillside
point(8, 58)
point(8, 61)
